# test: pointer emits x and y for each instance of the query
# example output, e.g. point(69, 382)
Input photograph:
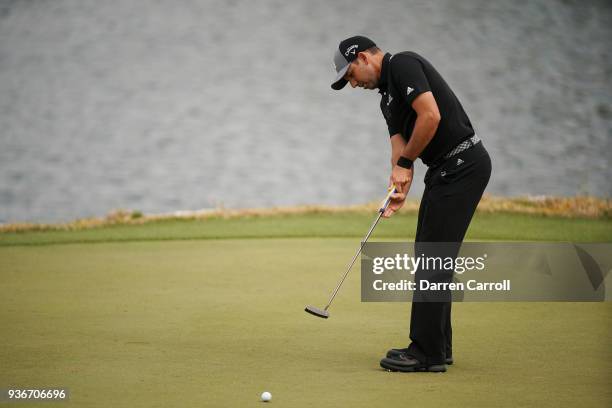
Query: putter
point(324, 314)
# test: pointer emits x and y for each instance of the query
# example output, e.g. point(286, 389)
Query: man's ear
point(362, 57)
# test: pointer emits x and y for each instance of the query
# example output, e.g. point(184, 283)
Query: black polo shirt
point(403, 77)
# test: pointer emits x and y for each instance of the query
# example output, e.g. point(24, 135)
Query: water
point(160, 106)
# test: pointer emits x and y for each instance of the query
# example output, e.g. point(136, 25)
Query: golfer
point(425, 120)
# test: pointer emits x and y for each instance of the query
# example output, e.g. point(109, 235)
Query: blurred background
point(160, 106)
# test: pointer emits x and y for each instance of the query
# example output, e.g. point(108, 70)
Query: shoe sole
point(390, 364)
point(395, 353)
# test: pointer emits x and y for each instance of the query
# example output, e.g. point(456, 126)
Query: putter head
point(324, 314)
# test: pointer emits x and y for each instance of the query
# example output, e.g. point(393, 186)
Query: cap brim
point(340, 81)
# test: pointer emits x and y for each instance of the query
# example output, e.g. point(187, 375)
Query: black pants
point(452, 192)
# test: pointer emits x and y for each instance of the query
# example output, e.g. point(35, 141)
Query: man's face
point(361, 73)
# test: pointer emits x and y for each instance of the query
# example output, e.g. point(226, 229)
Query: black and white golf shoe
point(408, 364)
point(393, 353)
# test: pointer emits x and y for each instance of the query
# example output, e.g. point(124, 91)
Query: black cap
point(345, 54)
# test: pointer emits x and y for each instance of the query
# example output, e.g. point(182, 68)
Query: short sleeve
point(408, 77)
point(393, 129)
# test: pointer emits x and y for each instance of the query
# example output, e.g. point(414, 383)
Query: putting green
point(217, 322)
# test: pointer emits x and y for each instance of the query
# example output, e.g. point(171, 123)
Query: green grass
point(485, 226)
point(215, 322)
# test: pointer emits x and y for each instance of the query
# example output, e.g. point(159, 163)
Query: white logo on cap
point(409, 90)
point(351, 50)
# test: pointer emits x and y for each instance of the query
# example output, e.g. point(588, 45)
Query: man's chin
point(372, 86)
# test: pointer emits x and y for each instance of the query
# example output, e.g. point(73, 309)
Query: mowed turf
point(213, 323)
point(485, 226)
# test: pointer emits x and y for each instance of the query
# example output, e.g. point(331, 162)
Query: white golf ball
point(266, 396)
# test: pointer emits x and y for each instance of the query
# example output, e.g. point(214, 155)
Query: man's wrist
point(404, 162)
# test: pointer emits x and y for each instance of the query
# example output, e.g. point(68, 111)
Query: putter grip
point(385, 202)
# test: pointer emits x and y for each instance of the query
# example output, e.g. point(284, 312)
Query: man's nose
point(353, 83)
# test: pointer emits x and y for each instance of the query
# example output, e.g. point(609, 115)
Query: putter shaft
point(383, 206)
point(365, 239)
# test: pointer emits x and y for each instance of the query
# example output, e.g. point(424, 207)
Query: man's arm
point(397, 147)
point(428, 118)
point(426, 124)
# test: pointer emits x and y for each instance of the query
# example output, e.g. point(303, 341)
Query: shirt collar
point(384, 74)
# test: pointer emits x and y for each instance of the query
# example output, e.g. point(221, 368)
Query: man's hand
point(402, 179)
